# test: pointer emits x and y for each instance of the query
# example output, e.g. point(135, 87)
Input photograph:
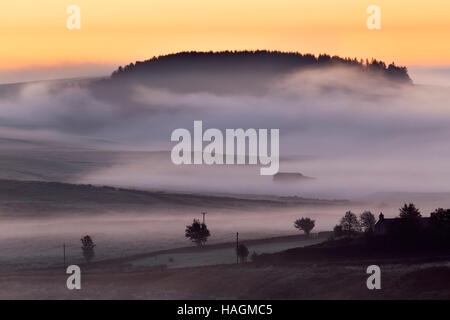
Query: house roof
point(388, 221)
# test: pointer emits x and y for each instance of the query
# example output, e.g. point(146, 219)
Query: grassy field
point(311, 280)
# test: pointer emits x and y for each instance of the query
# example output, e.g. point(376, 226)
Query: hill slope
point(260, 61)
point(240, 71)
point(17, 197)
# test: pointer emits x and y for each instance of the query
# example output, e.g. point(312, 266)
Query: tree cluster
point(257, 61)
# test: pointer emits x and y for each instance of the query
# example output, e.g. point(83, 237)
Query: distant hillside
point(290, 177)
point(260, 62)
point(45, 198)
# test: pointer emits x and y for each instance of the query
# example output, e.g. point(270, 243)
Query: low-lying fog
point(30, 242)
point(355, 134)
point(38, 242)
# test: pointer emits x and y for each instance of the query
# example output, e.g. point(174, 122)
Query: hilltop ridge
point(259, 61)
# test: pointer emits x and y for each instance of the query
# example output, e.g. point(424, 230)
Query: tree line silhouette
point(259, 61)
point(408, 230)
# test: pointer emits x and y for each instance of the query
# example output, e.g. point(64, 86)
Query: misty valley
point(214, 152)
point(160, 180)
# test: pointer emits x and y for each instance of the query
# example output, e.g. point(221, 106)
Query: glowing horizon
point(35, 34)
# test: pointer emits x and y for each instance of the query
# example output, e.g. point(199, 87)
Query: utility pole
point(64, 254)
point(203, 213)
point(237, 247)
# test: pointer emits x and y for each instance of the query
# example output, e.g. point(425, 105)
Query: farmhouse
point(383, 224)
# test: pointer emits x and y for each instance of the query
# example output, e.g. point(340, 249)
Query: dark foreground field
point(330, 270)
point(405, 278)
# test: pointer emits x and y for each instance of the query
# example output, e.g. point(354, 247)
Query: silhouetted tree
point(408, 229)
point(87, 246)
point(242, 252)
point(409, 212)
point(350, 224)
point(197, 232)
point(305, 224)
point(367, 220)
point(440, 224)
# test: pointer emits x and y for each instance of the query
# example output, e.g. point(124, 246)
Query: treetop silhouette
point(260, 61)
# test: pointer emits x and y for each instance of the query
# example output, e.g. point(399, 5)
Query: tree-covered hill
point(259, 62)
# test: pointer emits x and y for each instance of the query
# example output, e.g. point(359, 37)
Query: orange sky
point(34, 33)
